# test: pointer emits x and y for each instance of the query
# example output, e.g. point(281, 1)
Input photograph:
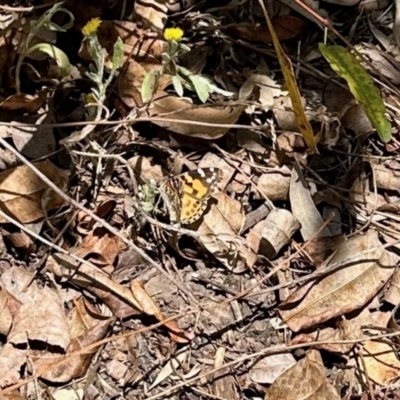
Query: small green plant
point(34, 27)
point(181, 77)
point(96, 70)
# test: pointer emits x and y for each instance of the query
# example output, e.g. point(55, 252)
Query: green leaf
point(176, 81)
point(54, 52)
point(148, 86)
point(361, 86)
point(118, 53)
point(201, 87)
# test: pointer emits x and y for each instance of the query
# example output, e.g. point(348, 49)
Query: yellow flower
point(173, 34)
point(91, 26)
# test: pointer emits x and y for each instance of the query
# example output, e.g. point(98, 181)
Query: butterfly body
point(186, 196)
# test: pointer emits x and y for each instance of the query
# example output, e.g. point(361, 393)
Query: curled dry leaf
point(83, 316)
point(20, 240)
point(24, 102)
point(130, 81)
point(102, 242)
point(145, 169)
point(303, 206)
point(267, 90)
point(220, 237)
point(305, 380)
point(365, 201)
point(148, 306)
point(21, 191)
point(270, 236)
point(170, 107)
point(356, 119)
point(386, 178)
point(41, 319)
point(346, 289)
point(275, 184)
point(118, 298)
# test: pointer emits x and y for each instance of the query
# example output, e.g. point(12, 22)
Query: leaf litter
point(284, 285)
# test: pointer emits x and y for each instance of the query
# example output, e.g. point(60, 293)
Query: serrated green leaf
point(176, 81)
point(54, 52)
point(361, 86)
point(201, 87)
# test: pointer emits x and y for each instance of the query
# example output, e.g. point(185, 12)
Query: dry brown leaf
point(381, 362)
point(392, 295)
point(24, 102)
point(17, 281)
point(365, 200)
point(68, 394)
point(220, 237)
point(305, 380)
point(344, 331)
point(303, 206)
point(21, 191)
point(356, 119)
point(130, 81)
point(267, 90)
point(11, 362)
point(270, 236)
point(20, 240)
point(76, 366)
point(321, 248)
point(41, 319)
point(346, 289)
point(182, 110)
point(270, 368)
point(6, 315)
point(102, 242)
point(118, 298)
point(386, 178)
point(275, 184)
point(83, 317)
point(153, 12)
point(148, 306)
point(145, 169)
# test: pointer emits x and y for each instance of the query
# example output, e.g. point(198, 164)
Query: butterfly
point(186, 195)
